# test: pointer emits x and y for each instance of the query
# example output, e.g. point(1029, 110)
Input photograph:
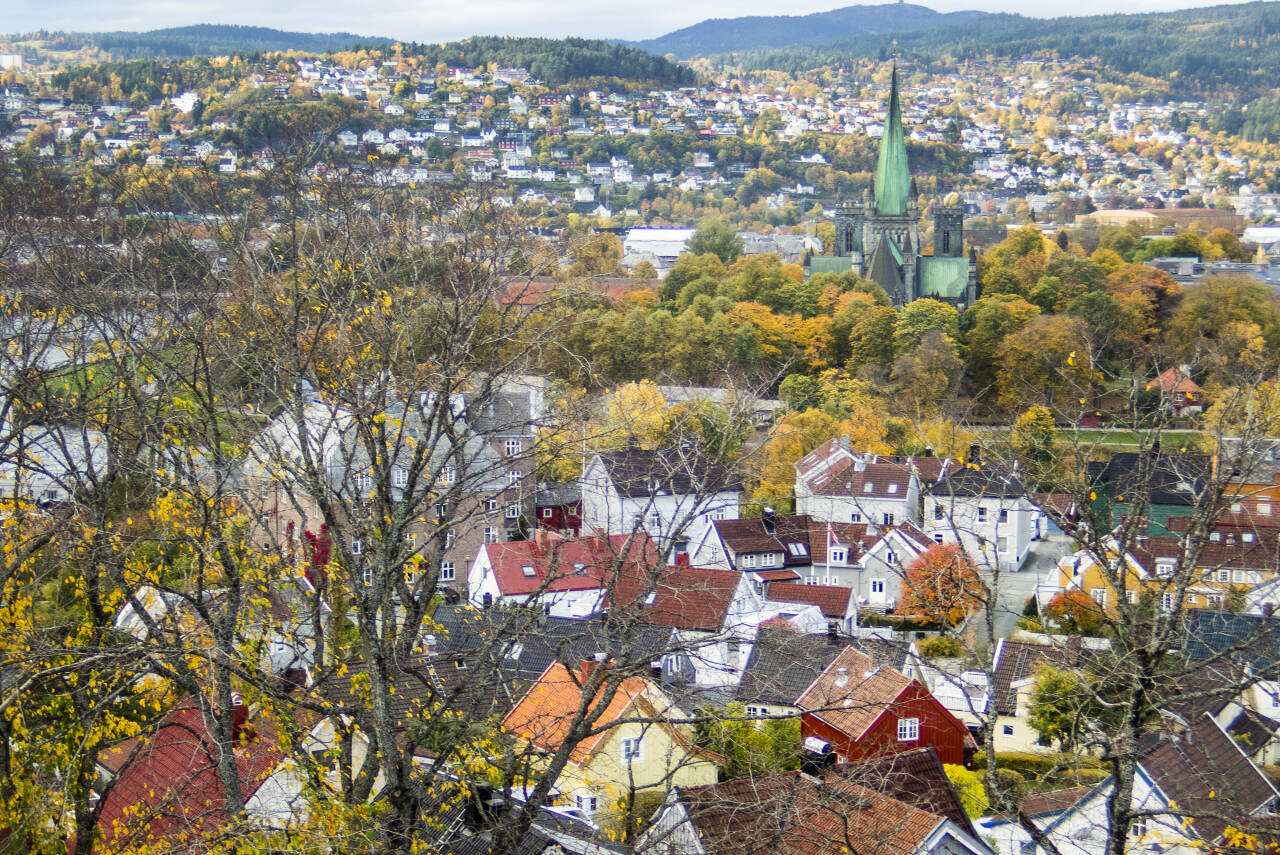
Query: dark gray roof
point(558, 493)
point(980, 479)
point(783, 663)
point(682, 471)
point(1163, 478)
point(1233, 641)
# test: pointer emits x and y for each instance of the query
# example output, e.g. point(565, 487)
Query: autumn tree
point(942, 585)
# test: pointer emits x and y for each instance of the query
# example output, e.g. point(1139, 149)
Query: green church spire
point(893, 177)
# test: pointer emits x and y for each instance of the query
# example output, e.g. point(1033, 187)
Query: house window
point(1213, 601)
point(877, 586)
point(1002, 544)
point(868, 487)
point(441, 510)
point(1215, 536)
point(855, 517)
point(719, 514)
point(400, 477)
point(1004, 515)
point(893, 488)
point(982, 514)
point(1166, 601)
point(1236, 507)
point(1239, 576)
point(1099, 596)
point(586, 802)
point(367, 577)
point(1007, 729)
point(409, 576)
point(579, 568)
point(839, 556)
point(364, 482)
point(1224, 575)
point(490, 534)
point(757, 710)
point(908, 729)
point(449, 537)
point(460, 664)
point(1247, 537)
point(799, 550)
point(937, 538)
point(448, 475)
point(632, 749)
point(513, 511)
point(1164, 569)
point(512, 447)
point(748, 561)
point(939, 512)
point(357, 546)
point(446, 571)
point(888, 519)
point(490, 504)
point(513, 477)
point(1264, 508)
point(1131, 596)
point(890, 557)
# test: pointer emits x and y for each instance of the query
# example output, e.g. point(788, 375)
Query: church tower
point(891, 235)
point(880, 238)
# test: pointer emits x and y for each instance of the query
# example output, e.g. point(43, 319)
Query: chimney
point(682, 559)
point(241, 729)
point(832, 636)
point(975, 454)
point(429, 644)
point(844, 441)
point(767, 519)
point(842, 678)
point(588, 666)
point(928, 452)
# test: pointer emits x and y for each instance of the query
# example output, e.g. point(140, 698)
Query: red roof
point(580, 564)
point(694, 598)
point(1174, 381)
point(171, 786)
point(832, 599)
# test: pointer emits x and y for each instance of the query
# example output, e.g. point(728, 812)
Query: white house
point(668, 493)
point(988, 511)
point(1186, 781)
point(836, 484)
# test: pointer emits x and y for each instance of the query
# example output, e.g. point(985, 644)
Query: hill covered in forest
point(723, 35)
point(1198, 50)
point(205, 40)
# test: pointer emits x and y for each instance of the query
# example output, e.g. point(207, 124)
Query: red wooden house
point(863, 711)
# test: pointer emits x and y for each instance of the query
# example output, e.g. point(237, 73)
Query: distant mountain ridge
point(725, 35)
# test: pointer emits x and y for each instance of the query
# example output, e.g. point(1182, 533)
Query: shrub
point(933, 648)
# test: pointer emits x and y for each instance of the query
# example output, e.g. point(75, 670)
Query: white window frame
point(490, 534)
point(512, 447)
point(982, 514)
point(357, 546)
point(908, 730)
point(1099, 596)
point(632, 749)
point(400, 477)
point(839, 555)
point(447, 571)
point(448, 474)
point(513, 477)
point(877, 586)
point(588, 803)
point(450, 538)
point(513, 511)
point(547, 513)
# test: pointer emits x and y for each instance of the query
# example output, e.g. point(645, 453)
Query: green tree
point(717, 238)
point(920, 317)
point(969, 787)
point(1033, 434)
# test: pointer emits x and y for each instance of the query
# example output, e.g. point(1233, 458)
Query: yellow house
point(1153, 566)
point(643, 750)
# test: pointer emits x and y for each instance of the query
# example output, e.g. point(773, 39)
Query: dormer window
point(868, 487)
point(528, 570)
point(1165, 567)
point(799, 550)
point(893, 488)
point(839, 555)
point(579, 569)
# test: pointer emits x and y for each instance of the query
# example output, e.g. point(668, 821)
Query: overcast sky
point(441, 20)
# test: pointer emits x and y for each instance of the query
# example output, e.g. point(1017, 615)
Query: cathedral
point(880, 238)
